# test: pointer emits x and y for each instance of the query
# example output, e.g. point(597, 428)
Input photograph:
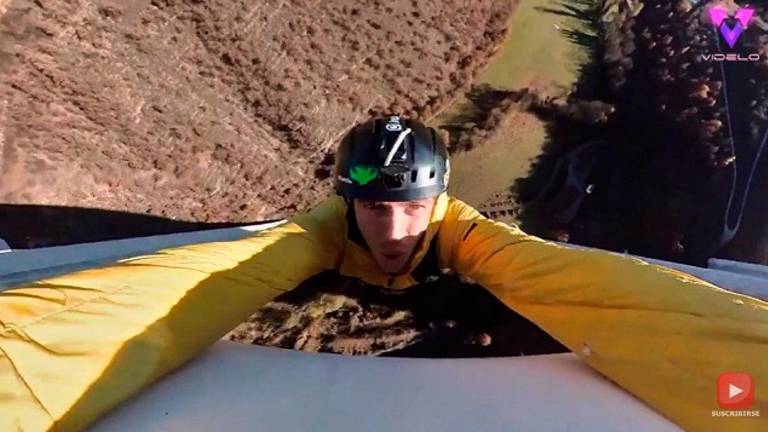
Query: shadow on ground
point(580, 120)
point(33, 226)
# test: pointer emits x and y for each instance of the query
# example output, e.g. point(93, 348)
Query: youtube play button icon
point(735, 390)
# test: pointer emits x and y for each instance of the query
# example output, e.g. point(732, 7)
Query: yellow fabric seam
point(26, 384)
point(7, 329)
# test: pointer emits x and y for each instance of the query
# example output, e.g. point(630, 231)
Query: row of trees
point(670, 148)
point(677, 146)
point(617, 20)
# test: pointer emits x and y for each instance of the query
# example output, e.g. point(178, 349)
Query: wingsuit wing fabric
point(74, 346)
point(661, 334)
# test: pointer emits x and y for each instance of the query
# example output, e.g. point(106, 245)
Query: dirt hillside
point(214, 111)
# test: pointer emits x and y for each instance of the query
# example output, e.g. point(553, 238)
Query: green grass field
point(537, 55)
point(536, 50)
point(481, 172)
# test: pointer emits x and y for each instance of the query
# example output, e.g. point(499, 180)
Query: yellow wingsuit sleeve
point(662, 335)
point(74, 346)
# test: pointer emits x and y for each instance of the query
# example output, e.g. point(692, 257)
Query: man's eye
point(374, 206)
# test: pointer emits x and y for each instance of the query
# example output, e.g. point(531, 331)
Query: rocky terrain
point(445, 318)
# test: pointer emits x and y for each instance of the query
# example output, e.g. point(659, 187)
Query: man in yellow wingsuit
point(72, 347)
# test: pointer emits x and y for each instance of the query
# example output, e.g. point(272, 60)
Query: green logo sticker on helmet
point(363, 174)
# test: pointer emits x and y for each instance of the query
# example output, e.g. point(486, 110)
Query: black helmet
point(391, 159)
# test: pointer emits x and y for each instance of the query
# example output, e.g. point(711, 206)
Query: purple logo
point(718, 14)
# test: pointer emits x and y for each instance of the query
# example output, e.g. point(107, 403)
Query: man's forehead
point(423, 201)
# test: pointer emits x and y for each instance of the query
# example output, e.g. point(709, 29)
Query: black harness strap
point(429, 267)
point(353, 232)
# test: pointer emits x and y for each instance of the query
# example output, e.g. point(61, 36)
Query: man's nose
point(397, 226)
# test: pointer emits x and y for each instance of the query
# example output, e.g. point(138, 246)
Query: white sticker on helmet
point(393, 125)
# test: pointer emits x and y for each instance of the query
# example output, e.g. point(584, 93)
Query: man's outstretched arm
point(74, 346)
point(661, 334)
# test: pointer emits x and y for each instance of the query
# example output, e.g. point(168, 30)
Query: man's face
point(393, 229)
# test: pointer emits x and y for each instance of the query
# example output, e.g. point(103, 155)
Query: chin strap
point(353, 231)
